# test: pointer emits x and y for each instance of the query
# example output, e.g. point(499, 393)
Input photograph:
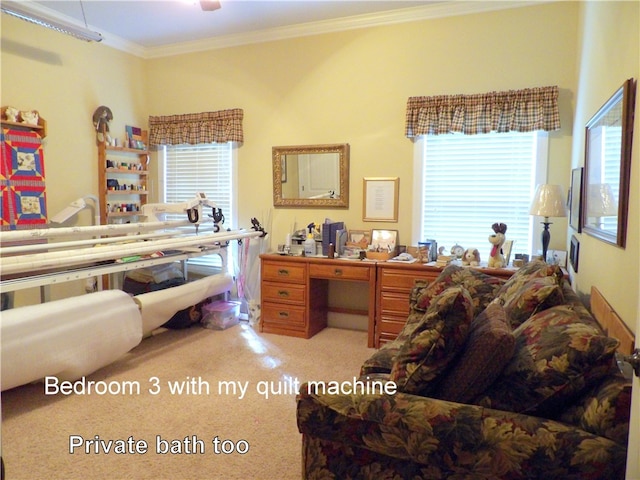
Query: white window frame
point(540, 176)
point(208, 265)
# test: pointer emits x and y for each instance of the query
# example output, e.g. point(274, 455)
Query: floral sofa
point(495, 380)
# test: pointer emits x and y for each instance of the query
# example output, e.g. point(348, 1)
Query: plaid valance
point(511, 111)
point(193, 128)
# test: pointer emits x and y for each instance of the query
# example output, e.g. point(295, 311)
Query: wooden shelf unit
point(131, 166)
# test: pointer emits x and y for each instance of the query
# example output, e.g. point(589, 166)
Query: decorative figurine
point(101, 118)
point(496, 259)
point(471, 257)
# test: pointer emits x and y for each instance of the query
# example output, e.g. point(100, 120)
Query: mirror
point(311, 176)
point(607, 168)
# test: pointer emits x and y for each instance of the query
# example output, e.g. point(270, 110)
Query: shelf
point(122, 161)
point(41, 127)
point(126, 171)
point(137, 151)
point(123, 214)
point(127, 192)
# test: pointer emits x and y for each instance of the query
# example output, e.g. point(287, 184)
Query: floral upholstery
point(434, 342)
point(537, 294)
point(556, 358)
point(604, 410)
point(534, 269)
point(406, 436)
point(488, 349)
point(556, 409)
point(481, 287)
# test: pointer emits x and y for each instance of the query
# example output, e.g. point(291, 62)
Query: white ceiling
point(151, 28)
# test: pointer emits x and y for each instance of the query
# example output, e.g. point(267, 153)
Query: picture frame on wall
point(575, 200)
point(380, 202)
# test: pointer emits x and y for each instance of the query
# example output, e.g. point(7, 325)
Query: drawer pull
point(337, 272)
point(283, 314)
point(283, 293)
point(283, 272)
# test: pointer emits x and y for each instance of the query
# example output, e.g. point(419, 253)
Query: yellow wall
point(609, 39)
point(66, 80)
point(342, 87)
point(353, 86)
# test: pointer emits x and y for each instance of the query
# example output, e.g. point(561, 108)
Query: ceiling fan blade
point(209, 5)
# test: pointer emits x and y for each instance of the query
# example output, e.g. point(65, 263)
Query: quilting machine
point(75, 336)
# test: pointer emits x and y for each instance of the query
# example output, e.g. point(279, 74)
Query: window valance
point(514, 110)
point(193, 128)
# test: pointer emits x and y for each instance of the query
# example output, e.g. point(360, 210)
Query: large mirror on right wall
point(607, 167)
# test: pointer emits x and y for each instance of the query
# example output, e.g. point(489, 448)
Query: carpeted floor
point(255, 425)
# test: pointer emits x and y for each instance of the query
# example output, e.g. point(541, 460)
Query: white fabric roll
point(159, 306)
point(67, 338)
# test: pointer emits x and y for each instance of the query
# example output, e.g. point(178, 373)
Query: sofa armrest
point(457, 438)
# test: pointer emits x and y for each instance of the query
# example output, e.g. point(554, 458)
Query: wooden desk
point(295, 290)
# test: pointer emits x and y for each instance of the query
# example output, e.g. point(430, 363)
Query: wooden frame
point(607, 167)
point(380, 199)
point(611, 323)
point(575, 200)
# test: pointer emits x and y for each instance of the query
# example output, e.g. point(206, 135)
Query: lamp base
point(546, 238)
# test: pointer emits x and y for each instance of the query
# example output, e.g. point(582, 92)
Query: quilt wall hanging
point(23, 200)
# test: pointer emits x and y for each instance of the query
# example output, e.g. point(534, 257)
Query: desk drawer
point(340, 272)
point(286, 316)
point(284, 272)
point(283, 293)
point(404, 280)
point(396, 303)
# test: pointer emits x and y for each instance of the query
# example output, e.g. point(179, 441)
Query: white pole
point(40, 261)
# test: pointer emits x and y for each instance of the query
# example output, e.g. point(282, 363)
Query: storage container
point(220, 314)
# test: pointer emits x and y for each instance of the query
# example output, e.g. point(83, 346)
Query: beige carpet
point(36, 428)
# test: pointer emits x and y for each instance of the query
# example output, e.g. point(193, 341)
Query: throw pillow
point(481, 287)
point(531, 297)
point(489, 348)
point(434, 342)
point(557, 357)
point(534, 269)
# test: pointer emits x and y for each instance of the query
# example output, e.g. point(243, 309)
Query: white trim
point(418, 191)
point(411, 14)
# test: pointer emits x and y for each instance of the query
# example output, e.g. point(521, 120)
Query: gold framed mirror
point(311, 176)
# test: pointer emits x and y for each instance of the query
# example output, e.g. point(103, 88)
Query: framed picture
point(384, 240)
point(574, 253)
point(607, 167)
point(507, 247)
point(575, 200)
point(359, 238)
point(380, 202)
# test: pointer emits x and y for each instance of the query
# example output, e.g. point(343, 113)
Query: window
point(208, 168)
point(467, 183)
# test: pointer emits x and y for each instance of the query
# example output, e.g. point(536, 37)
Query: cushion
point(488, 349)
point(537, 294)
point(534, 269)
point(556, 358)
point(605, 410)
point(481, 287)
point(434, 342)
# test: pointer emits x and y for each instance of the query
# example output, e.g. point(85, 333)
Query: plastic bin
point(220, 315)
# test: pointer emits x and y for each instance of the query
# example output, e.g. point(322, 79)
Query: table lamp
point(548, 202)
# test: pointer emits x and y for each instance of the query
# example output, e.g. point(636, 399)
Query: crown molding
point(438, 9)
point(411, 14)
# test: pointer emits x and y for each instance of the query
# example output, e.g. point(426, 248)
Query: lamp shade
point(548, 201)
point(602, 202)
